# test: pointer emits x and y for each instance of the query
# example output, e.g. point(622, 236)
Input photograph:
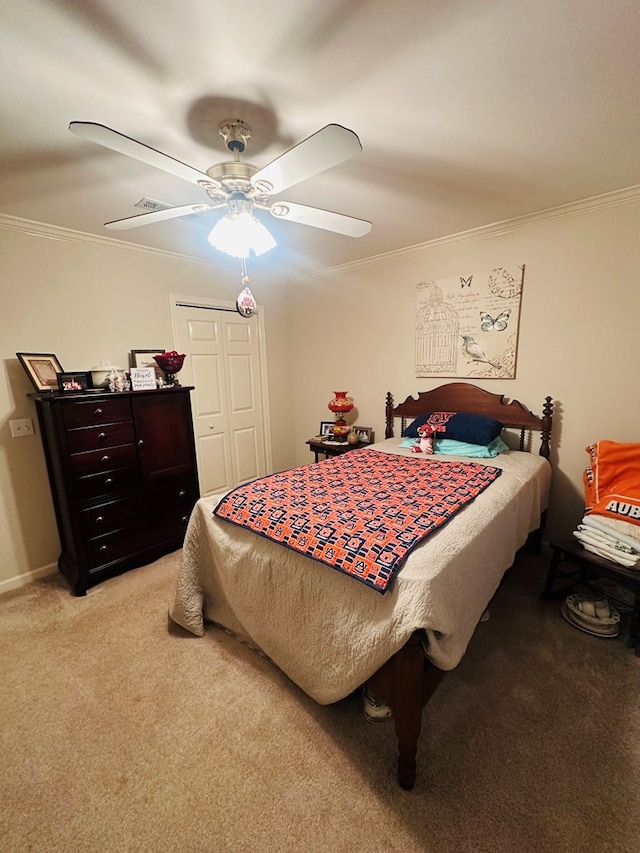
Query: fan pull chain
point(245, 303)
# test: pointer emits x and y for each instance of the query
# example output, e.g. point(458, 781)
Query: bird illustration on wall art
point(474, 351)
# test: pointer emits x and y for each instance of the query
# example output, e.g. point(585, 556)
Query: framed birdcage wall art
point(467, 325)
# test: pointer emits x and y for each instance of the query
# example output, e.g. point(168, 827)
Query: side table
point(318, 447)
point(574, 563)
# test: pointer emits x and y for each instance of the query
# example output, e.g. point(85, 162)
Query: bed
point(332, 635)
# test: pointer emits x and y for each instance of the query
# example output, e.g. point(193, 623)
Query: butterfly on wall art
point(488, 324)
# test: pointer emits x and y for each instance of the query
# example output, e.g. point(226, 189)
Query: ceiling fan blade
point(327, 147)
point(318, 218)
point(158, 216)
point(139, 151)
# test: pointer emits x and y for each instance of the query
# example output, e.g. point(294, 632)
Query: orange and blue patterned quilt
point(360, 513)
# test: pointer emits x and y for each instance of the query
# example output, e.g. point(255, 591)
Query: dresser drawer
point(114, 515)
point(96, 412)
point(126, 542)
point(95, 437)
point(107, 483)
point(94, 461)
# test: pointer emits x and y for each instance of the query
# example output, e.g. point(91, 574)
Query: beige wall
point(579, 331)
point(87, 300)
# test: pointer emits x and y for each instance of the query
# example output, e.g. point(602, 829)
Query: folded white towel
point(597, 536)
point(610, 554)
point(625, 531)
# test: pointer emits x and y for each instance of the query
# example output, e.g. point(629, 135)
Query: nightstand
point(318, 447)
point(574, 563)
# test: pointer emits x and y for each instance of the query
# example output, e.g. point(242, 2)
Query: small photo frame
point(42, 369)
point(326, 428)
point(144, 357)
point(73, 382)
point(143, 379)
point(365, 434)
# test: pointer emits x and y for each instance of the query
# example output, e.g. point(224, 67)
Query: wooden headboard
point(463, 397)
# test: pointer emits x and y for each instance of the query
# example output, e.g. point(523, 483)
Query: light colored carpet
point(122, 733)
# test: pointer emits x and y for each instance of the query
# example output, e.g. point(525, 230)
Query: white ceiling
point(469, 111)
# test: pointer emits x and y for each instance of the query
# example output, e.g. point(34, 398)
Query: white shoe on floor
point(374, 710)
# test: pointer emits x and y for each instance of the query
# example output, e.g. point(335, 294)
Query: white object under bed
point(328, 632)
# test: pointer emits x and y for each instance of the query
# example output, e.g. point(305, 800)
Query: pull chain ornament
point(245, 303)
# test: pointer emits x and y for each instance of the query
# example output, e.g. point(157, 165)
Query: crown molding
point(68, 235)
point(575, 208)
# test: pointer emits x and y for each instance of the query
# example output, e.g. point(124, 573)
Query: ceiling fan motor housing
point(233, 178)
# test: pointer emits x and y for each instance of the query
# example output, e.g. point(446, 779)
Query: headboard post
point(388, 415)
point(547, 420)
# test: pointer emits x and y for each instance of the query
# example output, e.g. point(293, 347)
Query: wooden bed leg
point(535, 538)
point(406, 682)
point(408, 690)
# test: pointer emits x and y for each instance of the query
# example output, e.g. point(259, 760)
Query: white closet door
point(223, 363)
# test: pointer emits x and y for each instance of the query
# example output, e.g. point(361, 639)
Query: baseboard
point(27, 577)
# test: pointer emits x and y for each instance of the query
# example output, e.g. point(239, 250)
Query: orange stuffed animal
point(424, 442)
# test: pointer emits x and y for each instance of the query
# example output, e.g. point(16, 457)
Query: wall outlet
point(21, 427)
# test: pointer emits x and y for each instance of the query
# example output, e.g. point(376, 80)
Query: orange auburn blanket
point(612, 480)
point(360, 513)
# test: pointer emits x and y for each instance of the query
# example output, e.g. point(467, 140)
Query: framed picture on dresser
point(79, 380)
point(42, 369)
point(144, 358)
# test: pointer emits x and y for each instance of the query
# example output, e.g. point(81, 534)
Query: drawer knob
point(185, 518)
point(103, 548)
point(182, 494)
point(102, 436)
point(141, 443)
point(100, 519)
point(108, 482)
point(98, 412)
point(104, 459)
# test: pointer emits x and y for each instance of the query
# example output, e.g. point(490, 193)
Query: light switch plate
point(21, 427)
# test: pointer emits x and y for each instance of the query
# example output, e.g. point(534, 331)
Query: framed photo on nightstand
point(365, 434)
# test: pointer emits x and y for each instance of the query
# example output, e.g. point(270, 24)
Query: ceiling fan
point(241, 187)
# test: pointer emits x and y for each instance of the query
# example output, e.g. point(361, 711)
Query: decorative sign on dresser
point(123, 474)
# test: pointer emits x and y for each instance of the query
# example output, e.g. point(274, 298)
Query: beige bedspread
point(328, 632)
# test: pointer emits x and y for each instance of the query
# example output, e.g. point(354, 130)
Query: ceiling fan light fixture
point(239, 233)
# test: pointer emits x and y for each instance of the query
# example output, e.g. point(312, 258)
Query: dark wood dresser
point(123, 474)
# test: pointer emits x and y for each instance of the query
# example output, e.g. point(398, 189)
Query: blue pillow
point(449, 447)
point(459, 426)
